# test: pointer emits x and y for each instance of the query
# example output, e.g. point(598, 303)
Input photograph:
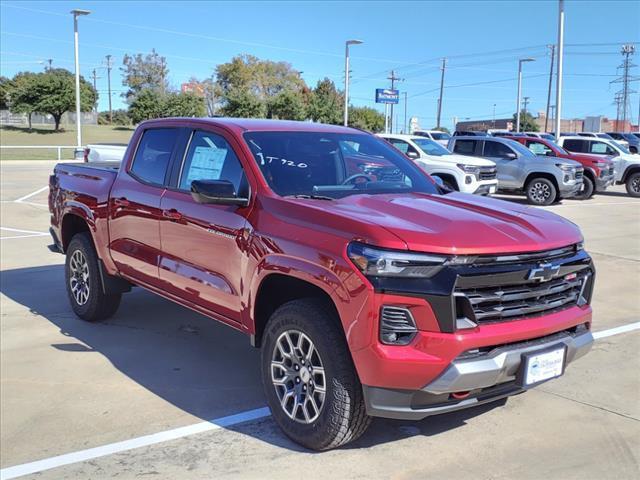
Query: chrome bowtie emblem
point(544, 272)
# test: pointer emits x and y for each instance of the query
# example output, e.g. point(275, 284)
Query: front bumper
point(487, 188)
point(603, 183)
point(471, 380)
point(572, 189)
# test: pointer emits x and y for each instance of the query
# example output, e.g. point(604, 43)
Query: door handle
point(121, 202)
point(172, 214)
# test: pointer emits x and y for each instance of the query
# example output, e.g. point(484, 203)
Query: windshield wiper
point(312, 197)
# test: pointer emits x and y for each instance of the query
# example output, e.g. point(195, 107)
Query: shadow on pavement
point(202, 367)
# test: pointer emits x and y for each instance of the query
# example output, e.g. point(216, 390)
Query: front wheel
point(310, 382)
point(84, 286)
point(541, 192)
point(633, 184)
point(587, 191)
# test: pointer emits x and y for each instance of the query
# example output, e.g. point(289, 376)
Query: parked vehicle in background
point(602, 135)
point(469, 133)
point(598, 171)
point(633, 140)
point(367, 297)
point(503, 133)
point(436, 135)
point(546, 136)
point(521, 171)
point(104, 152)
point(457, 172)
point(626, 164)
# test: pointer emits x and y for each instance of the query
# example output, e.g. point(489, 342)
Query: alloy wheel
point(79, 278)
point(298, 376)
point(540, 192)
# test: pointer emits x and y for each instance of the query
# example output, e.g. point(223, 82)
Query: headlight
point(600, 164)
point(566, 168)
point(375, 262)
point(469, 169)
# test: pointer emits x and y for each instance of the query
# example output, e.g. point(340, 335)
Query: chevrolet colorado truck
point(522, 171)
point(375, 293)
point(599, 171)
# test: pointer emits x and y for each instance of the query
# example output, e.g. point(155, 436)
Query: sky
point(482, 41)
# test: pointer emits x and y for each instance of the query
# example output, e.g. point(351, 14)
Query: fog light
point(397, 326)
point(468, 179)
point(566, 179)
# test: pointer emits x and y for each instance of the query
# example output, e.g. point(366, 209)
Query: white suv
point(457, 172)
point(436, 135)
point(625, 164)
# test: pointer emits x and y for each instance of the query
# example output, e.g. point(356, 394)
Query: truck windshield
point(430, 147)
point(334, 165)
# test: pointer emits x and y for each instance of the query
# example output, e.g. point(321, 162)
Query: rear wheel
point(588, 189)
point(633, 184)
point(541, 191)
point(310, 382)
point(84, 286)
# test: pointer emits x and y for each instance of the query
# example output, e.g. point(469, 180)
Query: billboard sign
point(386, 95)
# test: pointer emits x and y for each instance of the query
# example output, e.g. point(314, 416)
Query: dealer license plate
point(492, 189)
point(541, 366)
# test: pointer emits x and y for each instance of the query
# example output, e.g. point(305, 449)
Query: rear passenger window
point(574, 145)
point(210, 157)
point(465, 147)
point(153, 154)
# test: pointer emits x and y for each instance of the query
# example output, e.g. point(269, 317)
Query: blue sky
point(482, 40)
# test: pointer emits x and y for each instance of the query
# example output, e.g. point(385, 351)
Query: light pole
point(76, 13)
point(346, 78)
point(520, 62)
point(494, 116)
point(558, 118)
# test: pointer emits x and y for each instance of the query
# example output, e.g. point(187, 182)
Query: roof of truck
point(259, 125)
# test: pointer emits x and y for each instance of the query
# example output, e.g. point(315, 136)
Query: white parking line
point(153, 439)
point(27, 233)
point(32, 194)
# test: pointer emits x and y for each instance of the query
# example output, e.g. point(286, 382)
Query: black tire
point(541, 191)
point(633, 184)
point(341, 417)
point(587, 190)
point(633, 150)
point(97, 305)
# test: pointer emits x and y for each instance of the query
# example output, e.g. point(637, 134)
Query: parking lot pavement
point(69, 386)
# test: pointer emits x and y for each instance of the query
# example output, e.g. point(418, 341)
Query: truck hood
point(587, 157)
point(455, 159)
point(454, 223)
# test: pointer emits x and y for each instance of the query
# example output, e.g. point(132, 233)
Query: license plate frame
point(525, 377)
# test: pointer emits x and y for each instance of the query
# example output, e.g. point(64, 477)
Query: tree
point(147, 104)
point(244, 104)
point(366, 118)
point(326, 103)
point(5, 85)
point(55, 93)
point(141, 72)
point(183, 105)
point(21, 96)
point(527, 122)
point(286, 105)
point(120, 117)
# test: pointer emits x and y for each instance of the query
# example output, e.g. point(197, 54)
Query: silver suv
point(544, 180)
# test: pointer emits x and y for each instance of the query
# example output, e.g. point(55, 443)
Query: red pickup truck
point(370, 293)
point(598, 170)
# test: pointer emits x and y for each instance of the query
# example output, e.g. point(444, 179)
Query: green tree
point(147, 104)
point(5, 85)
point(527, 122)
point(286, 105)
point(244, 104)
point(326, 103)
point(183, 105)
point(366, 118)
point(120, 117)
point(143, 72)
point(55, 93)
point(21, 96)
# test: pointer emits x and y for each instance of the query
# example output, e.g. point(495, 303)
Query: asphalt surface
point(67, 386)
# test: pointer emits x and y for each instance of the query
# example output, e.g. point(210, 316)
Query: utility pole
point(560, 64)
point(393, 79)
point(622, 96)
point(346, 78)
point(442, 68)
point(93, 75)
point(525, 102)
point(520, 62)
point(50, 61)
point(109, 65)
point(405, 113)
point(546, 117)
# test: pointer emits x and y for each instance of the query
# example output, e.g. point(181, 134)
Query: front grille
point(509, 302)
point(579, 174)
point(487, 173)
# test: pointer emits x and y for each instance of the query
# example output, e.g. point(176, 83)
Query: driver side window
point(404, 147)
point(497, 150)
point(540, 148)
point(602, 148)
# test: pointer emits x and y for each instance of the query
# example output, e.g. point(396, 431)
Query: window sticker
point(206, 164)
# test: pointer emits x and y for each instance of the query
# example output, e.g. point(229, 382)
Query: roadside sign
point(386, 95)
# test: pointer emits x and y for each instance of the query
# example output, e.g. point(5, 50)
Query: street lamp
point(77, 13)
point(346, 78)
point(520, 62)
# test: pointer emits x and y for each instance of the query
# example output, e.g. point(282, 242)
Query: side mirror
point(218, 192)
point(413, 155)
point(510, 156)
